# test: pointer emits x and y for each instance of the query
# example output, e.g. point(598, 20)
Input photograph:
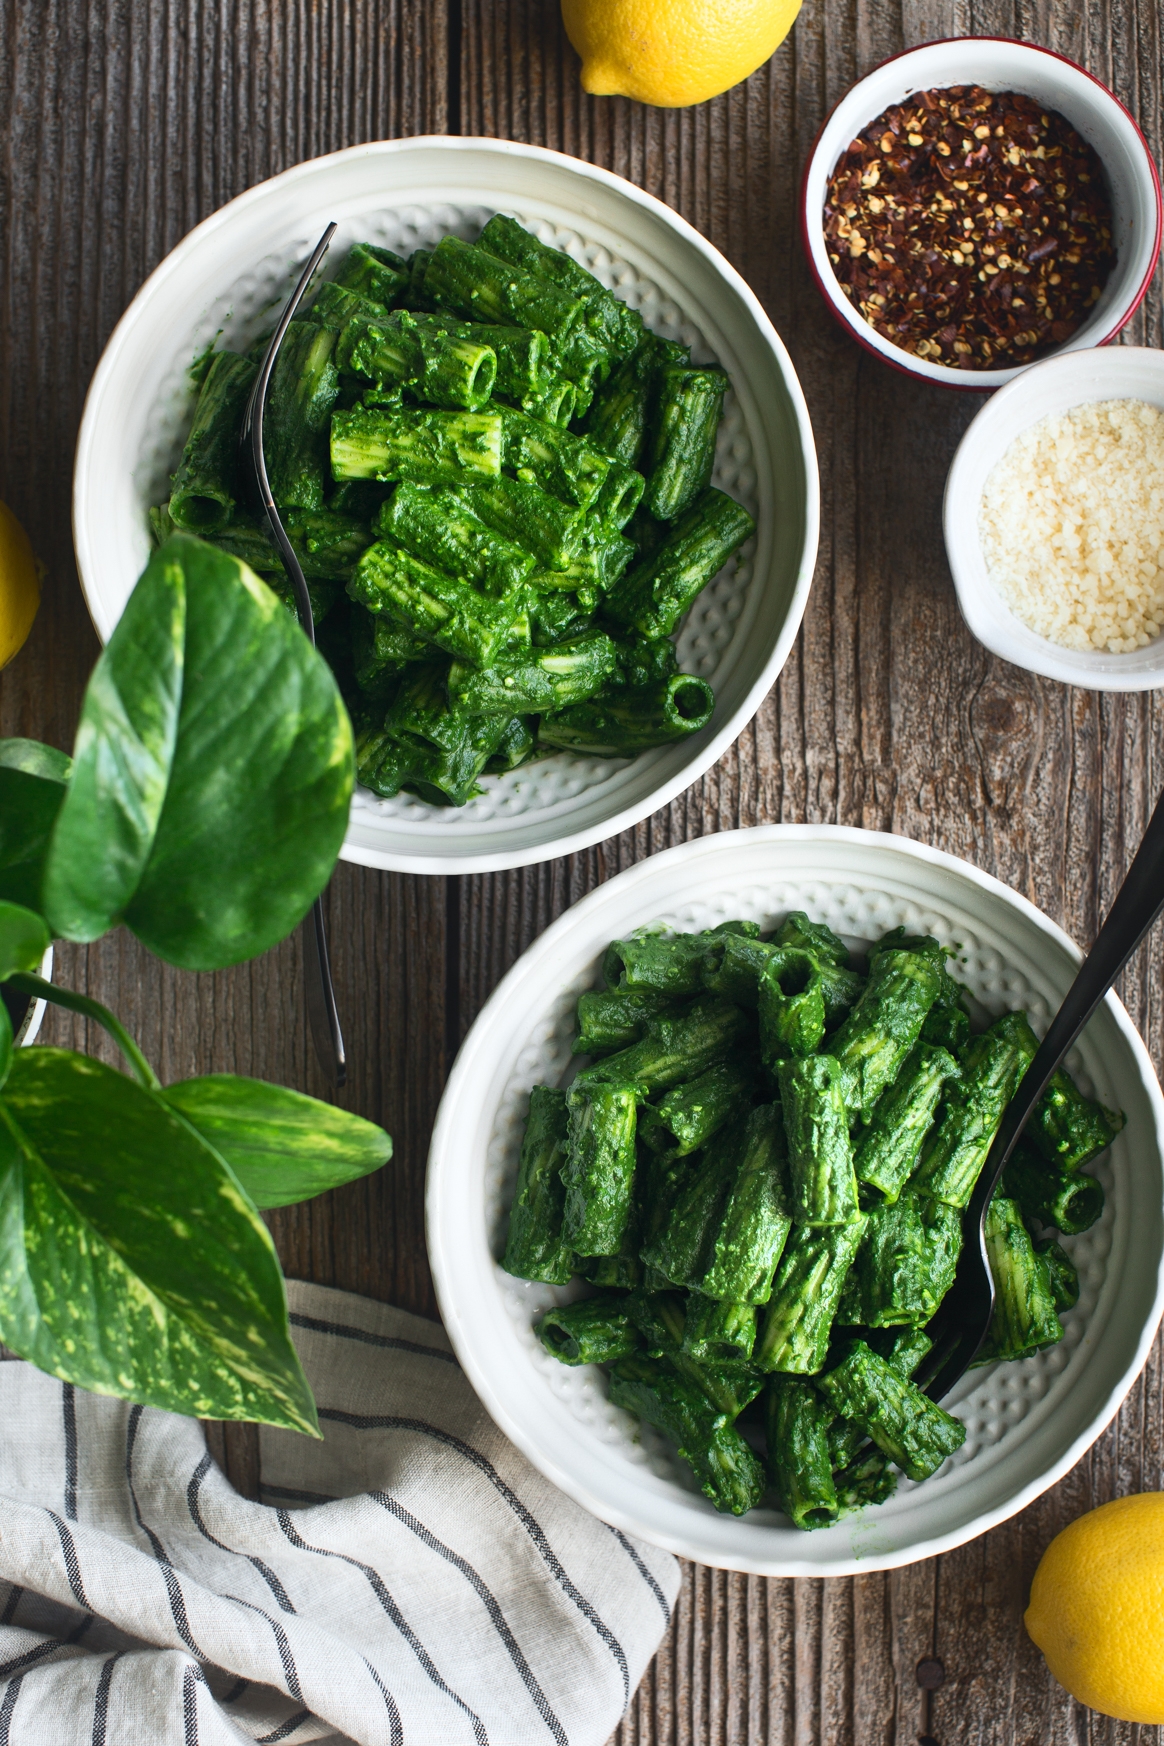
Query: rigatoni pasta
point(761, 1169)
point(497, 482)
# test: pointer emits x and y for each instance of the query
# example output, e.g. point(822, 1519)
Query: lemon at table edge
point(1097, 1608)
point(19, 585)
point(672, 53)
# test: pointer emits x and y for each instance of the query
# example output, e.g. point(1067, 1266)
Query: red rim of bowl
point(851, 326)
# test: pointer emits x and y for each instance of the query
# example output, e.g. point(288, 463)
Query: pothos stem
point(41, 990)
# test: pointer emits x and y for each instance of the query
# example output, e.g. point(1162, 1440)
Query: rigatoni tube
point(617, 723)
point(535, 1249)
point(753, 1224)
point(728, 1472)
point(600, 1167)
point(799, 1463)
point(430, 604)
point(428, 448)
point(596, 1331)
point(794, 1334)
point(912, 1430)
point(824, 1188)
point(957, 1148)
point(653, 597)
point(205, 487)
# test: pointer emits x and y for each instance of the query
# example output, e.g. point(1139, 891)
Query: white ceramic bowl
point(224, 278)
point(1026, 1423)
point(998, 64)
point(1054, 386)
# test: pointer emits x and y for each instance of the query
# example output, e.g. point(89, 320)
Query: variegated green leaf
point(282, 1146)
point(32, 788)
point(131, 1262)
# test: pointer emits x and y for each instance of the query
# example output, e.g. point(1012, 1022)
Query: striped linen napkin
point(410, 1581)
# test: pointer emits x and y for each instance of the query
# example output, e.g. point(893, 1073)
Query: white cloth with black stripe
point(409, 1581)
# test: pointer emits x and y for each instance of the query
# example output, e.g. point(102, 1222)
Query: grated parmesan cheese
point(1072, 526)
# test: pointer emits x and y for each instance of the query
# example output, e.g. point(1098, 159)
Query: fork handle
point(322, 1011)
point(1138, 902)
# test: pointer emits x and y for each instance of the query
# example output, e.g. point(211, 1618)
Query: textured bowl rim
point(1033, 653)
point(569, 842)
point(983, 381)
point(439, 1207)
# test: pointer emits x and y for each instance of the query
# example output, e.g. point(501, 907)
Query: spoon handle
point(1138, 902)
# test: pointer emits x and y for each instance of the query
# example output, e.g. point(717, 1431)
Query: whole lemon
point(1097, 1608)
point(673, 52)
point(19, 585)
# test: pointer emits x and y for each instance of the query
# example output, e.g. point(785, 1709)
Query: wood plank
point(888, 715)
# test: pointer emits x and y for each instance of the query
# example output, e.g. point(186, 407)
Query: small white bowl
point(223, 280)
point(1026, 1423)
point(1056, 385)
point(997, 64)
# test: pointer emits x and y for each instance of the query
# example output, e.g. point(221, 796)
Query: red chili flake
point(970, 227)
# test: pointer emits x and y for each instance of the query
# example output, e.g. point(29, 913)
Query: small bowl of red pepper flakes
point(974, 206)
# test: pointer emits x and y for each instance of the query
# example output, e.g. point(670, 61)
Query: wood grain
point(124, 126)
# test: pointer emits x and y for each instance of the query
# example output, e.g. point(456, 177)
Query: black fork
point(321, 1007)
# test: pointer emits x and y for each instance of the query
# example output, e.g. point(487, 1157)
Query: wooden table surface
point(122, 124)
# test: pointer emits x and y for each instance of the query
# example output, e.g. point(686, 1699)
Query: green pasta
point(756, 1216)
point(717, 1330)
point(686, 1118)
point(444, 435)
point(471, 282)
point(543, 679)
point(791, 1245)
point(432, 605)
point(887, 1151)
point(653, 597)
point(615, 326)
point(1068, 1128)
point(992, 1066)
point(204, 489)
point(620, 722)
point(303, 388)
point(1025, 1315)
point(1068, 1200)
point(790, 1002)
point(905, 1265)
point(799, 1461)
point(374, 272)
point(428, 448)
point(727, 1471)
point(596, 1331)
point(682, 450)
point(824, 1188)
point(614, 1018)
point(599, 1167)
point(442, 527)
point(794, 1335)
point(912, 1430)
point(883, 1027)
point(535, 1249)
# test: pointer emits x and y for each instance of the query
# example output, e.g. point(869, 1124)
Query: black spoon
point(321, 1007)
point(964, 1318)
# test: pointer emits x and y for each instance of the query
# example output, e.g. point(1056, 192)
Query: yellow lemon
point(1097, 1608)
point(19, 585)
point(673, 52)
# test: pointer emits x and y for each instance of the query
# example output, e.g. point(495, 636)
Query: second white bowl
point(1026, 1423)
point(1054, 386)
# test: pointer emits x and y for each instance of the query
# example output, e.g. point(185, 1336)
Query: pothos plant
point(204, 807)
